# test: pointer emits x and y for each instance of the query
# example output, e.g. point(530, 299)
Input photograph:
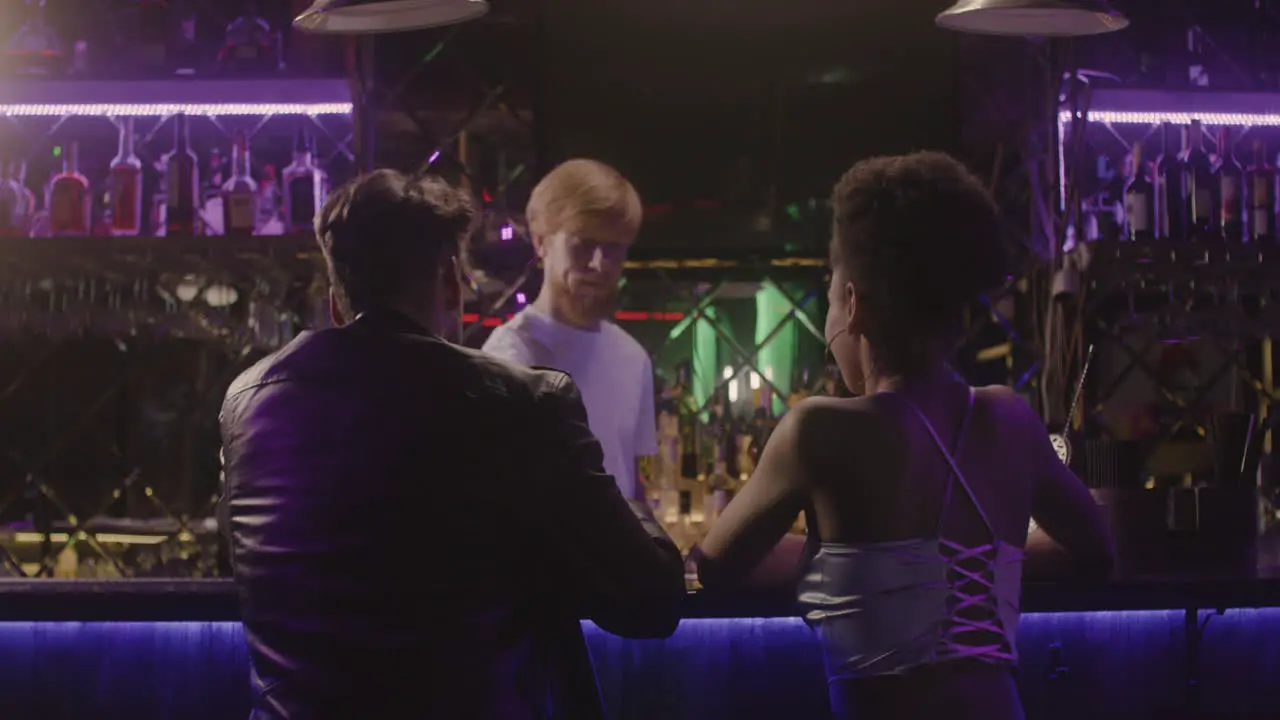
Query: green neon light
point(705, 357)
point(777, 359)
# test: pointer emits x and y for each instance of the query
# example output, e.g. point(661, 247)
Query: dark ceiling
point(694, 97)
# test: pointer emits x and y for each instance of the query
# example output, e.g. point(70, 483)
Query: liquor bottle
point(69, 199)
point(1171, 212)
point(1231, 195)
point(250, 46)
point(35, 49)
point(1197, 72)
point(215, 176)
point(722, 480)
point(1261, 183)
point(684, 531)
point(1198, 186)
point(17, 203)
point(1139, 200)
point(305, 186)
point(185, 56)
point(182, 183)
point(269, 202)
point(687, 421)
point(240, 193)
point(125, 185)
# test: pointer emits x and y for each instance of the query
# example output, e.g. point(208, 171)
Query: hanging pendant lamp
point(1046, 18)
point(360, 17)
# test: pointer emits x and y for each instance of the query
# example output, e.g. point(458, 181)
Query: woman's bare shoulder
point(1005, 398)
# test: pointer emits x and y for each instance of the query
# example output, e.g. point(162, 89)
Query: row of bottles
point(232, 202)
point(1189, 195)
point(706, 455)
point(149, 35)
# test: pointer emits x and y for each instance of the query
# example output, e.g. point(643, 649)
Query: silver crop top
point(884, 608)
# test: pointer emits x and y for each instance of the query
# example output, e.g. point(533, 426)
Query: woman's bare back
point(878, 476)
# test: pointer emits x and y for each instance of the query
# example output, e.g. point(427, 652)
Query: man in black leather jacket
point(416, 527)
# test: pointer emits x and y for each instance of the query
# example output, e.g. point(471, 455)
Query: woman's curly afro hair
point(921, 240)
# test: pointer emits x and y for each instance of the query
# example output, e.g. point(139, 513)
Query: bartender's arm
point(616, 564)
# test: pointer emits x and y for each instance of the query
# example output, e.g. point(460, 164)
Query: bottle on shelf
point(687, 422)
point(722, 478)
point(1260, 180)
point(305, 186)
point(1171, 211)
point(1197, 64)
point(1139, 200)
point(250, 45)
point(182, 183)
point(1198, 186)
point(17, 202)
point(1231, 190)
point(240, 193)
point(35, 49)
point(684, 531)
point(269, 202)
point(185, 57)
point(69, 200)
point(124, 185)
point(215, 175)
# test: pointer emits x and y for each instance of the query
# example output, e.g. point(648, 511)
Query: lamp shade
point(1047, 18)
point(362, 17)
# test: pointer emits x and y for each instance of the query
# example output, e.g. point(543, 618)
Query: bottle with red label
point(69, 200)
point(125, 185)
point(1231, 190)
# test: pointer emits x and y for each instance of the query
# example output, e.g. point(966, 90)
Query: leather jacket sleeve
point(620, 566)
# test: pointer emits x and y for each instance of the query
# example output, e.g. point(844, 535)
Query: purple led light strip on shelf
point(1153, 107)
point(292, 96)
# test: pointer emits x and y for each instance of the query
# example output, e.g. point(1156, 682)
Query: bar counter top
point(215, 599)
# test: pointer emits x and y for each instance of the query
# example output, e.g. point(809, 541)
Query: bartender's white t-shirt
point(611, 370)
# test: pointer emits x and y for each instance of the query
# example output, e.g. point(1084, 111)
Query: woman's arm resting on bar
point(758, 518)
point(1064, 508)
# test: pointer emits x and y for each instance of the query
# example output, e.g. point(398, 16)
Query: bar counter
point(1156, 648)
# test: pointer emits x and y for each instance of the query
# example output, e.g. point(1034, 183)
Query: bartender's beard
point(587, 304)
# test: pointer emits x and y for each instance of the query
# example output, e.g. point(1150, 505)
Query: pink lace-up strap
point(969, 567)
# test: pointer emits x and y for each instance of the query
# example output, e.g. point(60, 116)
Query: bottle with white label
point(240, 192)
point(1231, 190)
point(1139, 200)
point(1198, 186)
point(1260, 180)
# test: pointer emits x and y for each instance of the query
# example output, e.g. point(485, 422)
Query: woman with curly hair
point(917, 494)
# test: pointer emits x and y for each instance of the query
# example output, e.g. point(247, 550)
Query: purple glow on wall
point(167, 109)
point(1128, 660)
